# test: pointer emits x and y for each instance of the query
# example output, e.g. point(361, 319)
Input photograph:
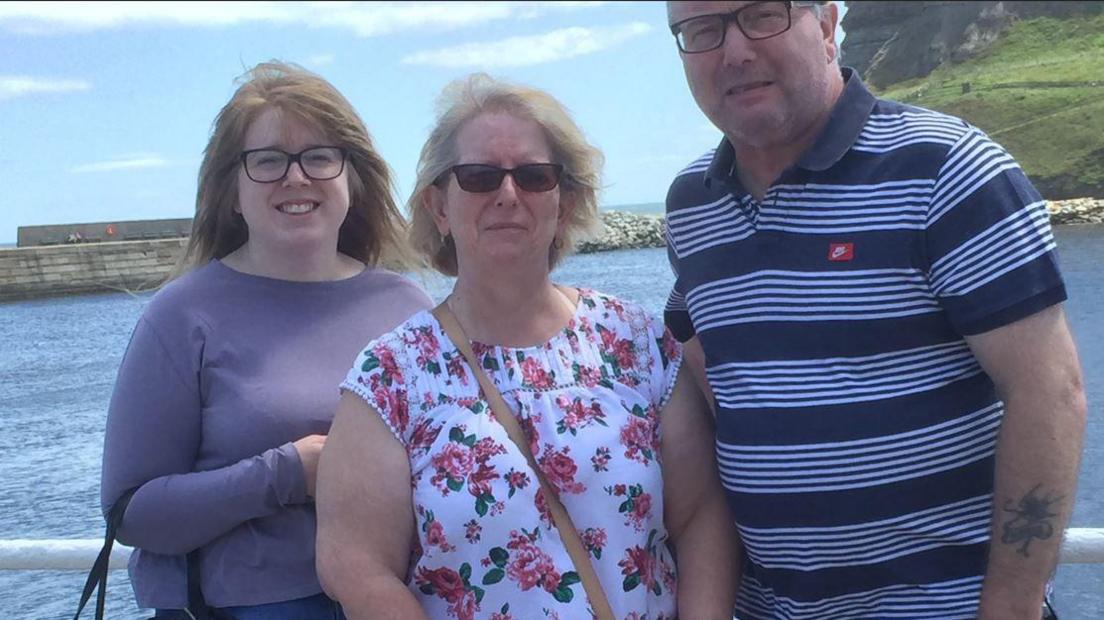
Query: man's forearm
point(1038, 453)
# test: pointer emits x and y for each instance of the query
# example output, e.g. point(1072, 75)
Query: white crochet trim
point(671, 385)
point(369, 399)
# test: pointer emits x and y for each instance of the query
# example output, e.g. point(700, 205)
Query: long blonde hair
point(373, 231)
point(466, 98)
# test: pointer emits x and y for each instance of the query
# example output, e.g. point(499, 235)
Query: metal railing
point(1081, 546)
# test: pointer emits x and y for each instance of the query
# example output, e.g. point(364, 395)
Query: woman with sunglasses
point(228, 387)
point(470, 525)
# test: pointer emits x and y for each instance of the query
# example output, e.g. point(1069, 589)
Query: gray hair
point(816, 6)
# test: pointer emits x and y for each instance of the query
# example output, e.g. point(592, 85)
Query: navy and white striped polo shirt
point(856, 431)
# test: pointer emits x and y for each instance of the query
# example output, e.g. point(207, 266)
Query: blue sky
point(106, 107)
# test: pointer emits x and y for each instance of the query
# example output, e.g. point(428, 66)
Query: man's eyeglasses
point(758, 20)
point(482, 178)
point(319, 163)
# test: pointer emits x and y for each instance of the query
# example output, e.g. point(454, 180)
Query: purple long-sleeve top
point(223, 372)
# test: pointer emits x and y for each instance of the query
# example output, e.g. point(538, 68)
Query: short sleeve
point(668, 352)
point(377, 377)
point(675, 314)
point(990, 248)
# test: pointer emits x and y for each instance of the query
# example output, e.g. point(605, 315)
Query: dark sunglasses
point(482, 178)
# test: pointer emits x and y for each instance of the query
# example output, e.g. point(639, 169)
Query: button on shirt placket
point(747, 205)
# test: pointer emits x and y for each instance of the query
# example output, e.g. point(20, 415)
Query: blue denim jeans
point(317, 607)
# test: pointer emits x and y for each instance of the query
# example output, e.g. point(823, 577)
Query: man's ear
point(434, 200)
point(829, 22)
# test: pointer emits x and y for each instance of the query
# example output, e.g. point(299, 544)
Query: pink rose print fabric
point(588, 401)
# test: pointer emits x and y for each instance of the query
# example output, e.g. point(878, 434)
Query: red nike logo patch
point(841, 251)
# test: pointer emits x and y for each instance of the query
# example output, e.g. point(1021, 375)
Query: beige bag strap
point(505, 417)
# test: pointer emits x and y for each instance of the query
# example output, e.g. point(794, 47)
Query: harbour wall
point(141, 265)
point(86, 267)
point(96, 232)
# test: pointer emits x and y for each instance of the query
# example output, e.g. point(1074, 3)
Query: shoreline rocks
point(626, 231)
point(1076, 211)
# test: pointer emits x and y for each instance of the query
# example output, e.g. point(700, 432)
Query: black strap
point(196, 603)
point(97, 577)
point(1048, 610)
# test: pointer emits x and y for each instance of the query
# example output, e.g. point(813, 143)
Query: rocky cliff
point(889, 42)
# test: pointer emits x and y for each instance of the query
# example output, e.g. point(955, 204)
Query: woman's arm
point(702, 529)
point(365, 516)
point(153, 434)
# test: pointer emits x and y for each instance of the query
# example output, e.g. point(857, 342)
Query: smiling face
point(295, 213)
point(507, 224)
point(767, 92)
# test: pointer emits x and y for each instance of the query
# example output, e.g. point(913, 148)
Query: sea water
point(58, 359)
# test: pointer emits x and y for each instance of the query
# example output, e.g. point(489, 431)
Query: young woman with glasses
point(229, 384)
point(590, 384)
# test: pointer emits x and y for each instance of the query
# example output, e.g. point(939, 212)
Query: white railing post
point(1083, 545)
point(77, 555)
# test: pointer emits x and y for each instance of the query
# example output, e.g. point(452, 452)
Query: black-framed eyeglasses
point(318, 163)
point(756, 21)
point(482, 178)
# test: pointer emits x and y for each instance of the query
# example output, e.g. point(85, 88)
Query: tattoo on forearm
point(1031, 519)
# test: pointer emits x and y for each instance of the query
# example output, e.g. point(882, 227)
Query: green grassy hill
point(1039, 91)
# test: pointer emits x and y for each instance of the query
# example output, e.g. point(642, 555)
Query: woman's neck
point(298, 266)
point(510, 309)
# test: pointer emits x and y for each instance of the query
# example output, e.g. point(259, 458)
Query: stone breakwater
point(624, 231)
point(1076, 211)
point(86, 268)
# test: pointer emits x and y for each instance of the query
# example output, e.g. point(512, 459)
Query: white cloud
point(126, 163)
point(47, 17)
point(321, 60)
point(363, 18)
point(12, 86)
point(529, 50)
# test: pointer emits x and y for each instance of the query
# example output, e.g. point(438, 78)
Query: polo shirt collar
point(844, 126)
point(846, 122)
point(723, 166)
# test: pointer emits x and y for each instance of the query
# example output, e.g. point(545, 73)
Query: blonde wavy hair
point(463, 100)
point(374, 229)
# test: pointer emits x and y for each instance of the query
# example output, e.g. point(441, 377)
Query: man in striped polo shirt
point(871, 294)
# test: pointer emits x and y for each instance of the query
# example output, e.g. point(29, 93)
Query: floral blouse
point(589, 401)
